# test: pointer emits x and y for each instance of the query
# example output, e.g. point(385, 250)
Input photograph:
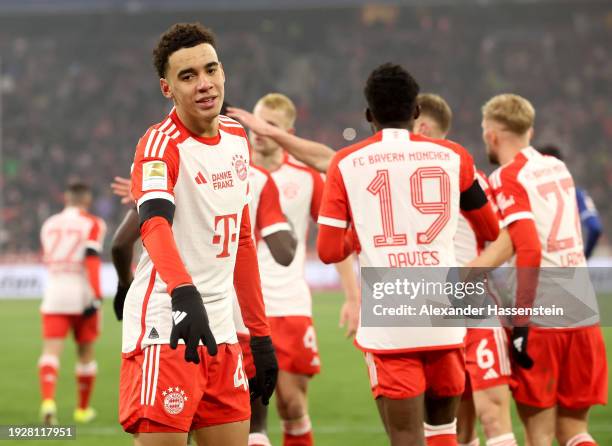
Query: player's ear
point(222, 71)
point(530, 133)
point(417, 112)
point(164, 86)
point(368, 115)
point(291, 131)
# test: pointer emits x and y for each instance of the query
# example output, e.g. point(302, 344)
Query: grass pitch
point(341, 407)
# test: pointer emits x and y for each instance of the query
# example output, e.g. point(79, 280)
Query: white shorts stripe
point(502, 351)
point(143, 382)
point(149, 374)
point(371, 369)
point(335, 222)
point(155, 373)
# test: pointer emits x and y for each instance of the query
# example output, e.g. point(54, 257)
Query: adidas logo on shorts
point(491, 374)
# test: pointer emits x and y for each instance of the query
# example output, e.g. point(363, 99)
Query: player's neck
point(270, 162)
point(199, 127)
point(511, 149)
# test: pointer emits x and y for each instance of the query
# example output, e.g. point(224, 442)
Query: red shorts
point(85, 329)
point(570, 369)
point(160, 392)
point(406, 375)
point(247, 357)
point(295, 342)
point(487, 363)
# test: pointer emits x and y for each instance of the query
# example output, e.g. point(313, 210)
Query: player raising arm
point(190, 183)
point(559, 372)
point(417, 374)
point(72, 241)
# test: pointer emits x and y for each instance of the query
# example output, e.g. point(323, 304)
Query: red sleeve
point(95, 241)
point(156, 167)
point(317, 194)
point(93, 265)
point(528, 251)
point(510, 196)
point(159, 241)
point(466, 168)
point(335, 244)
point(484, 222)
point(270, 217)
point(247, 283)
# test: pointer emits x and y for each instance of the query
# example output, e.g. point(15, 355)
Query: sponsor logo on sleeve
point(154, 176)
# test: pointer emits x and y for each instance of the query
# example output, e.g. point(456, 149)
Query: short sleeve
point(512, 199)
point(270, 218)
point(317, 194)
point(155, 169)
point(334, 210)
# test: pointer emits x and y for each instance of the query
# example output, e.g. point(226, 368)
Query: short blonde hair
point(436, 108)
point(278, 101)
point(511, 110)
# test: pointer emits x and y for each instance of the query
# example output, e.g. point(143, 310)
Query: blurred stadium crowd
point(78, 89)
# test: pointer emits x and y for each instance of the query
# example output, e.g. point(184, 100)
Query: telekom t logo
point(226, 231)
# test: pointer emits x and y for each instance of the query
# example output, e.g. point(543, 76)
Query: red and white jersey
point(400, 192)
point(207, 180)
point(267, 217)
point(466, 244)
point(284, 287)
point(540, 188)
point(65, 237)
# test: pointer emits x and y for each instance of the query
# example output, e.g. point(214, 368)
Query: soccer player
point(71, 243)
point(589, 216)
point(487, 395)
point(190, 183)
point(559, 373)
point(371, 206)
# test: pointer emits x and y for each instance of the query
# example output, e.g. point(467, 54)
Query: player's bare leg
point(229, 434)
point(539, 424)
point(259, 423)
point(48, 369)
point(403, 420)
point(86, 370)
point(466, 423)
point(493, 411)
point(572, 424)
point(440, 419)
point(160, 439)
point(292, 405)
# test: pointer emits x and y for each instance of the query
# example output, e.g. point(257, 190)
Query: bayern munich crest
point(240, 166)
point(174, 400)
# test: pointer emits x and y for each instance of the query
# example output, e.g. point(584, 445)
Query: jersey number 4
point(381, 187)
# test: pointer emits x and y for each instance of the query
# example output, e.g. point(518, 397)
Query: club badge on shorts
point(174, 400)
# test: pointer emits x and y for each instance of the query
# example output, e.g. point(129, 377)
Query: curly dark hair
point(179, 35)
point(391, 93)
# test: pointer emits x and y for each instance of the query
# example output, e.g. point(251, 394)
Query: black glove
point(519, 347)
point(266, 368)
point(93, 308)
point(190, 323)
point(119, 301)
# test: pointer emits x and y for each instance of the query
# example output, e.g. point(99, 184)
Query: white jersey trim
point(282, 226)
point(525, 215)
point(335, 222)
point(153, 195)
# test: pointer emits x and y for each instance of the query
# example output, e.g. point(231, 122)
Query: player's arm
point(336, 240)
point(156, 168)
point(474, 204)
point(122, 252)
point(349, 313)
point(248, 291)
point(93, 264)
point(590, 219)
point(311, 153)
point(272, 225)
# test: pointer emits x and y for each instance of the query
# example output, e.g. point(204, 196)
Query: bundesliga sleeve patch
point(154, 176)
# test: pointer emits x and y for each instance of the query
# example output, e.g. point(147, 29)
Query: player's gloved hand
point(266, 368)
point(519, 347)
point(190, 323)
point(93, 308)
point(119, 300)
